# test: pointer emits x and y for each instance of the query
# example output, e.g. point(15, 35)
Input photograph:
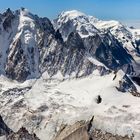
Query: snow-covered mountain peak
point(72, 14)
point(26, 13)
point(8, 10)
point(26, 21)
point(77, 15)
point(72, 21)
point(86, 26)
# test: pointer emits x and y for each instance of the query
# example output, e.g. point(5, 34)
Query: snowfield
point(65, 102)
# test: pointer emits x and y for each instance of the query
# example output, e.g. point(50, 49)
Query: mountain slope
point(54, 75)
point(33, 47)
point(99, 44)
point(88, 26)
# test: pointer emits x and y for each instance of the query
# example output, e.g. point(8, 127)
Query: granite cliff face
point(30, 46)
point(33, 47)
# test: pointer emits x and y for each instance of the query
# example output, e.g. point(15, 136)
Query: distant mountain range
point(54, 72)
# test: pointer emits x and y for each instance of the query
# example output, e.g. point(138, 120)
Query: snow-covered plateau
point(55, 74)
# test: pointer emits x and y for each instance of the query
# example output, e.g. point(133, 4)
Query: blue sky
point(125, 10)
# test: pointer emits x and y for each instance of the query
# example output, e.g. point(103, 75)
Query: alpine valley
point(73, 78)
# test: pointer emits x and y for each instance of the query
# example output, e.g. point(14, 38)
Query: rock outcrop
point(99, 135)
point(4, 129)
point(83, 130)
point(22, 134)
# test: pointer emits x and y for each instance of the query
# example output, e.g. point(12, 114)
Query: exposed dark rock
point(103, 71)
point(35, 119)
point(114, 77)
point(68, 58)
point(112, 55)
point(16, 91)
point(43, 108)
point(58, 36)
point(136, 79)
point(46, 25)
point(4, 129)
point(19, 104)
point(98, 99)
point(99, 135)
point(138, 43)
point(84, 31)
point(129, 69)
point(85, 131)
point(9, 16)
point(22, 134)
point(74, 41)
point(77, 131)
point(126, 85)
point(17, 66)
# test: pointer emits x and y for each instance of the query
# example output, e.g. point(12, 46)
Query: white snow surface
point(72, 100)
point(79, 20)
point(73, 14)
point(93, 25)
